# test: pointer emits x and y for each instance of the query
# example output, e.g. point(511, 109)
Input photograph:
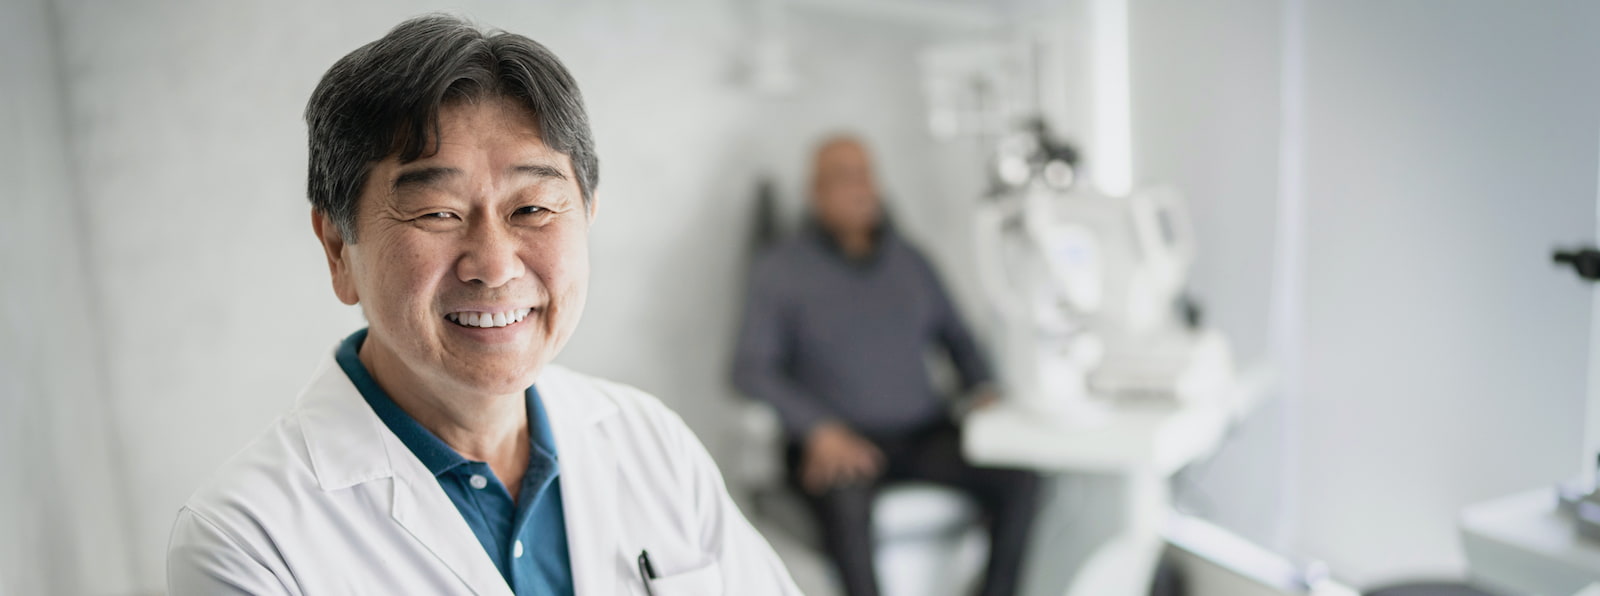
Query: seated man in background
point(834, 334)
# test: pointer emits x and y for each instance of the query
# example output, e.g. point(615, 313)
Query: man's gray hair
point(384, 99)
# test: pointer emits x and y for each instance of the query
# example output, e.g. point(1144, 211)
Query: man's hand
point(985, 398)
point(835, 455)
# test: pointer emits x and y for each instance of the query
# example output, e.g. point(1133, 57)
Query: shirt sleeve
point(952, 333)
point(202, 559)
point(765, 343)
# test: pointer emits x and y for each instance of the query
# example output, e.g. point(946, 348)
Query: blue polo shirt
point(526, 539)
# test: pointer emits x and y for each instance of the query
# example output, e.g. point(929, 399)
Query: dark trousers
point(1009, 499)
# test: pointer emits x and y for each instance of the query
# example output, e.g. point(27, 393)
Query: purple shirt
point(827, 337)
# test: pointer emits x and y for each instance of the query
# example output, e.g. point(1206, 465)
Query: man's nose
point(492, 255)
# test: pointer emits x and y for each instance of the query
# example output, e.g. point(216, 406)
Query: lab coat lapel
point(422, 508)
point(588, 479)
point(348, 446)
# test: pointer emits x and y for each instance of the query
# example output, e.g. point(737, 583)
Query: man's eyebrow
point(539, 170)
point(424, 177)
point(434, 175)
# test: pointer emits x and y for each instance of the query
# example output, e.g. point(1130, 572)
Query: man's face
point(472, 264)
point(845, 197)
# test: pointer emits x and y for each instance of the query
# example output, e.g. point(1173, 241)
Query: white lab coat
point(329, 501)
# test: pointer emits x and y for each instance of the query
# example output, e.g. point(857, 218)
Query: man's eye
point(531, 210)
point(438, 215)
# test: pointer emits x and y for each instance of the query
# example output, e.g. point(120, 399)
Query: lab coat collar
point(341, 430)
point(588, 478)
point(579, 404)
point(346, 442)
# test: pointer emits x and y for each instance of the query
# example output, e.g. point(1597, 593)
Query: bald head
point(843, 192)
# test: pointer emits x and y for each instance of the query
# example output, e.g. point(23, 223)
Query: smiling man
point(438, 451)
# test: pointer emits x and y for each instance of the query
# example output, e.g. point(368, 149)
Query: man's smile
point(488, 319)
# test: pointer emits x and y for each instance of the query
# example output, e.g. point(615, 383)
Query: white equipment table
point(1160, 437)
point(1522, 543)
point(1142, 444)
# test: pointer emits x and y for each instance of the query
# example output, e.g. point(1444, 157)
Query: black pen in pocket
point(647, 571)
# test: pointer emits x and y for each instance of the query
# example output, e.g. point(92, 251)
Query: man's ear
point(594, 206)
point(333, 245)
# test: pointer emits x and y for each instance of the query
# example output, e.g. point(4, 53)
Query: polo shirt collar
point(434, 453)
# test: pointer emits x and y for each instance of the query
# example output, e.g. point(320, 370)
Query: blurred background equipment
point(1089, 290)
point(1586, 261)
point(1104, 373)
point(1541, 541)
point(1204, 559)
point(1101, 355)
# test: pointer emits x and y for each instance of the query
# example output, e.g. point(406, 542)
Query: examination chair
point(929, 539)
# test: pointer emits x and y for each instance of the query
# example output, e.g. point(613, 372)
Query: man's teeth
point(488, 319)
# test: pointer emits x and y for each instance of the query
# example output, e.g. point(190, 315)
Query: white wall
point(58, 479)
point(1448, 145)
point(185, 121)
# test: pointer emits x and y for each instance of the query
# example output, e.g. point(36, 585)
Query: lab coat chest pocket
point(680, 565)
point(680, 569)
point(703, 581)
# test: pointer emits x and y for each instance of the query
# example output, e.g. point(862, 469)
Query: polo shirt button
point(516, 550)
point(478, 481)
